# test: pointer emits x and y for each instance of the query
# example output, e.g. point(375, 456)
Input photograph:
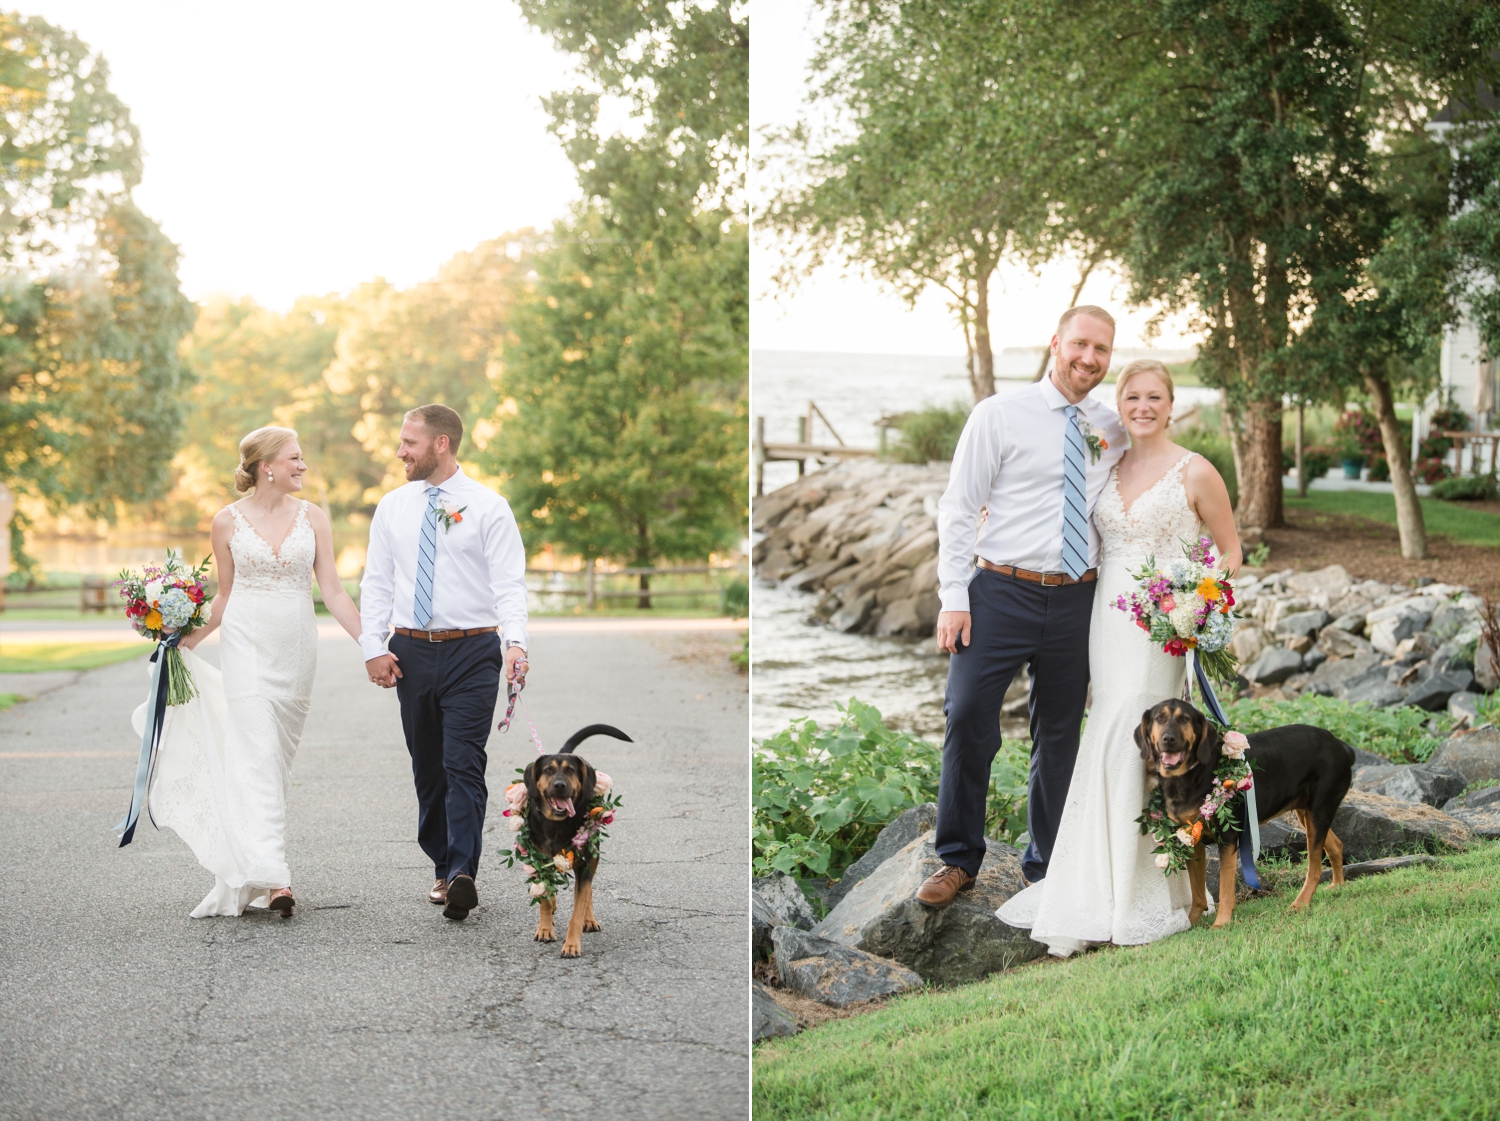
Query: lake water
point(803, 668)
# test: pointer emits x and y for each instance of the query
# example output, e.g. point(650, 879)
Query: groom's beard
point(422, 468)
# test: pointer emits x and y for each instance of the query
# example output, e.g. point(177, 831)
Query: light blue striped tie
point(426, 559)
point(1075, 551)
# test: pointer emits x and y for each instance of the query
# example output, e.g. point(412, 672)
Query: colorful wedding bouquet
point(547, 877)
point(1187, 606)
point(165, 603)
point(1220, 812)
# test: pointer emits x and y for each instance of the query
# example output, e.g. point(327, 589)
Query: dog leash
point(1250, 827)
point(515, 695)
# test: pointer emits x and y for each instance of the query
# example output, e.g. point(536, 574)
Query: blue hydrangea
point(1216, 633)
point(176, 608)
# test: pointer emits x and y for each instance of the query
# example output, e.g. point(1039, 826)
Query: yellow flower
point(153, 620)
point(1209, 589)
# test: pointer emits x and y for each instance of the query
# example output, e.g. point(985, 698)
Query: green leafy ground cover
point(1457, 522)
point(67, 656)
point(8, 699)
point(1381, 1001)
point(820, 796)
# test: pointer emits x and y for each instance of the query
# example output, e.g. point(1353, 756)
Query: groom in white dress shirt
point(445, 579)
point(1017, 588)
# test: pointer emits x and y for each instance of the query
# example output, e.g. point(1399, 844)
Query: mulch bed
point(1372, 551)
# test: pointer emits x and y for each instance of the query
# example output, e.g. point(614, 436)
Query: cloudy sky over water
point(832, 311)
point(305, 148)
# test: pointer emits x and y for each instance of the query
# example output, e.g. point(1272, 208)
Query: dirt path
point(1372, 551)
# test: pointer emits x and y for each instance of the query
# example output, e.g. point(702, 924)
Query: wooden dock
point(804, 449)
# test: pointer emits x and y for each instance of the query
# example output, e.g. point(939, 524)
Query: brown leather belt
point(444, 636)
point(1046, 579)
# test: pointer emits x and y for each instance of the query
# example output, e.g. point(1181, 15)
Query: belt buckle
point(1054, 579)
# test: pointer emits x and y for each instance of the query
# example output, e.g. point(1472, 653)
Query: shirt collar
point(449, 485)
point(1052, 395)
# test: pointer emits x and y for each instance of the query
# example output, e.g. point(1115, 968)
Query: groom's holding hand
point(446, 564)
point(1038, 460)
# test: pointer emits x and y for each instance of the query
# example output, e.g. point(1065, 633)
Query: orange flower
point(1228, 782)
point(457, 518)
point(597, 811)
point(1103, 443)
point(153, 620)
point(1197, 831)
point(1208, 588)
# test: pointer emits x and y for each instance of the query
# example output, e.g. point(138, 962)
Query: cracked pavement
point(369, 1004)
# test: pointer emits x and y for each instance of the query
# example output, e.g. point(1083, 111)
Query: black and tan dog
point(1296, 767)
point(558, 790)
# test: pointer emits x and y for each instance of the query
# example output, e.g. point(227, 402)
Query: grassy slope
point(1450, 519)
point(1380, 1001)
point(67, 656)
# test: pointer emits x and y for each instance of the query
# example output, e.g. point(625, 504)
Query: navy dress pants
point(448, 692)
point(1015, 623)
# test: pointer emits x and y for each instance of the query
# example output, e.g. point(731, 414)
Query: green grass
point(8, 699)
point(1459, 523)
point(1380, 1001)
point(51, 657)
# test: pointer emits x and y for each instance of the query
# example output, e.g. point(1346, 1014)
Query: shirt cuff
point(515, 635)
point(954, 598)
point(373, 646)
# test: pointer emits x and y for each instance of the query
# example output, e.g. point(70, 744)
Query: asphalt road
point(369, 1004)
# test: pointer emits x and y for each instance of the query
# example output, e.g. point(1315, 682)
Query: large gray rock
point(1432, 694)
point(1475, 755)
point(1274, 666)
point(963, 941)
point(1341, 643)
point(1449, 619)
point(1482, 823)
point(1388, 626)
point(1304, 624)
point(1333, 678)
point(763, 921)
point(1375, 692)
point(1484, 668)
point(1372, 826)
point(1381, 866)
point(1248, 643)
point(1325, 586)
point(833, 973)
point(1464, 708)
point(891, 840)
point(783, 895)
point(852, 615)
point(1485, 798)
point(1418, 782)
point(767, 1018)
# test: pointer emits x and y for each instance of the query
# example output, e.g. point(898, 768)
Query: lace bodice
point(257, 567)
point(1156, 524)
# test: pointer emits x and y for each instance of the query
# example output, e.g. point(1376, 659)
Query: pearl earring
point(270, 475)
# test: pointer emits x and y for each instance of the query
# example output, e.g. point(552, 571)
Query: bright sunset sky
point(304, 148)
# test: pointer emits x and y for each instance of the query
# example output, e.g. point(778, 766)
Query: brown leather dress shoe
point(439, 893)
point(940, 888)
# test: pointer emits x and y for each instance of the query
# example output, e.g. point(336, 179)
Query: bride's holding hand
point(224, 768)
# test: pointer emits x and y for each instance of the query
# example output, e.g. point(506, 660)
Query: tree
point(618, 436)
point(1475, 227)
point(944, 159)
point(91, 312)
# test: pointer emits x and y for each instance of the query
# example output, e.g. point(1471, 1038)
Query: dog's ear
point(533, 792)
point(1143, 736)
point(586, 786)
point(1208, 740)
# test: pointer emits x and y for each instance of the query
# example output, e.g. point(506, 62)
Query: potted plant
point(1351, 455)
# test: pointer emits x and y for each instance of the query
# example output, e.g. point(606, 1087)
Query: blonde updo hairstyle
point(261, 446)
point(1143, 366)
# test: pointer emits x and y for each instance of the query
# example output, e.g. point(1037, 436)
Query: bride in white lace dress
point(224, 766)
point(1102, 883)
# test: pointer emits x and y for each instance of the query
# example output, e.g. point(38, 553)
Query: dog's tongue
point(1173, 759)
point(562, 805)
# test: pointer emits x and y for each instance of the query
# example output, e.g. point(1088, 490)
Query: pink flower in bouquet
point(581, 838)
point(528, 869)
point(520, 849)
point(1162, 860)
point(1167, 603)
point(1235, 745)
point(515, 793)
point(1244, 784)
point(608, 819)
point(537, 890)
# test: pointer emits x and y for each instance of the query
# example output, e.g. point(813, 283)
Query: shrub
point(930, 434)
point(820, 796)
point(1213, 446)
point(1430, 470)
point(1402, 735)
point(1318, 460)
point(1380, 470)
point(1466, 488)
point(734, 599)
point(1450, 418)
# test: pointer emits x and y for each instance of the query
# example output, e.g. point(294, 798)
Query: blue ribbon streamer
point(1248, 816)
point(156, 711)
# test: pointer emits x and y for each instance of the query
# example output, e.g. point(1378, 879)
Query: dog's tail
point(593, 730)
